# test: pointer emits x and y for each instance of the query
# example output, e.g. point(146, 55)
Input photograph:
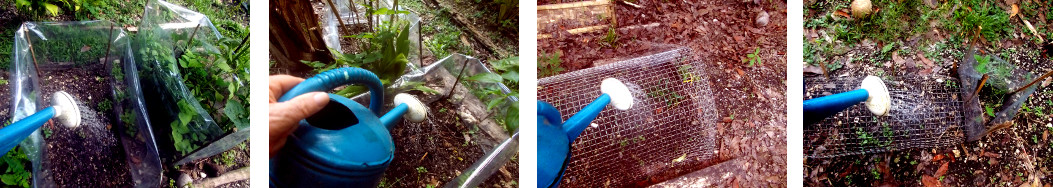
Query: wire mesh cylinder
point(925, 113)
point(670, 129)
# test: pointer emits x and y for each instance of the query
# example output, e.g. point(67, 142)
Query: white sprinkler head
point(66, 110)
point(621, 98)
point(879, 102)
point(416, 112)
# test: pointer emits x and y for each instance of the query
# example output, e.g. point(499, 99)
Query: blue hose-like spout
point(577, 123)
point(331, 79)
point(817, 109)
point(394, 116)
point(13, 134)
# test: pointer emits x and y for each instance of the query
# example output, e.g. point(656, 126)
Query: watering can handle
point(331, 79)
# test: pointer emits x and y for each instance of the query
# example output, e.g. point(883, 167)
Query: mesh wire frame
point(926, 113)
point(669, 129)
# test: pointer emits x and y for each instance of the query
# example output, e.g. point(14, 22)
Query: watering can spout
point(405, 105)
point(64, 110)
point(872, 92)
point(614, 92)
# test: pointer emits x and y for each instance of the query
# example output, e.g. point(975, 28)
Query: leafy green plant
point(611, 39)
point(494, 96)
point(16, 175)
point(52, 7)
point(984, 18)
point(548, 64)
point(752, 58)
point(385, 51)
point(421, 169)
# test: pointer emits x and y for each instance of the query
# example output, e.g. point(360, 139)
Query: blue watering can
point(345, 144)
point(872, 93)
point(555, 136)
point(64, 109)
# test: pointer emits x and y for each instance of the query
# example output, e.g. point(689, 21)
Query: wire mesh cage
point(670, 127)
point(925, 113)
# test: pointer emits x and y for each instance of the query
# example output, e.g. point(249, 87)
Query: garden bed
point(91, 154)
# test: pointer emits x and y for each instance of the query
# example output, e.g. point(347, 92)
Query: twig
point(822, 66)
point(336, 13)
point(1034, 81)
point(978, 87)
point(109, 43)
point(243, 41)
point(32, 53)
point(457, 81)
point(632, 4)
point(1032, 28)
point(192, 34)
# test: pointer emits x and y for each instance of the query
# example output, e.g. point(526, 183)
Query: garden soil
point(89, 155)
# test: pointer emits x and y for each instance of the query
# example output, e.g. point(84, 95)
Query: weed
point(752, 58)
point(105, 105)
point(983, 18)
point(16, 175)
point(226, 158)
point(548, 64)
point(611, 39)
point(421, 169)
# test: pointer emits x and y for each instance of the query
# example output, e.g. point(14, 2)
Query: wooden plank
point(574, 5)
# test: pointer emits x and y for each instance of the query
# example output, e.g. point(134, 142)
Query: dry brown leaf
point(813, 69)
point(937, 157)
point(991, 155)
point(930, 181)
point(1016, 10)
point(943, 170)
point(85, 48)
point(842, 13)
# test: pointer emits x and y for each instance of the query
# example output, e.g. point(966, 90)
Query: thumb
point(285, 116)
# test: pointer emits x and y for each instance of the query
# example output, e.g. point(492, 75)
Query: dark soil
point(89, 155)
point(437, 150)
point(721, 33)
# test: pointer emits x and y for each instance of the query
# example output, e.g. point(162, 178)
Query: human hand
point(285, 116)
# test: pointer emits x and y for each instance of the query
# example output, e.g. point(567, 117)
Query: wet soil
point(89, 155)
point(721, 33)
point(439, 149)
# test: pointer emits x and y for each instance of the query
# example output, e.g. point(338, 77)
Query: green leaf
point(512, 76)
point(235, 111)
point(222, 65)
point(53, 9)
point(512, 118)
point(486, 78)
point(494, 102)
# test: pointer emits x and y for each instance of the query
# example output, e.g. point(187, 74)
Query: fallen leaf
point(943, 170)
point(1016, 10)
point(813, 69)
point(85, 48)
point(930, 181)
point(741, 73)
point(842, 13)
point(937, 157)
point(727, 120)
point(991, 155)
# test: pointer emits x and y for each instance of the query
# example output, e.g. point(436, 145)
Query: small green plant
point(51, 7)
point(753, 58)
point(105, 105)
point(989, 110)
point(611, 39)
point(548, 64)
point(226, 158)
point(421, 169)
point(16, 175)
point(983, 18)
